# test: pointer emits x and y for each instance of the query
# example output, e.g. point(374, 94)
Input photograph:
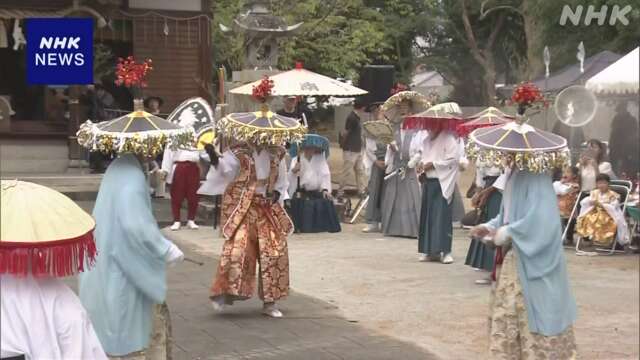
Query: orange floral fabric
point(566, 202)
point(256, 231)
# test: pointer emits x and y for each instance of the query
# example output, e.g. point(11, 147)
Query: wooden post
point(75, 118)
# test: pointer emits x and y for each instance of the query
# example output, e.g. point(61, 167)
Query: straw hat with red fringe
point(445, 116)
point(43, 232)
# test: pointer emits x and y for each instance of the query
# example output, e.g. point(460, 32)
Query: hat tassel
point(57, 259)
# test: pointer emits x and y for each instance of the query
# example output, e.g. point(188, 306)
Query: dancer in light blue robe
point(129, 278)
point(530, 220)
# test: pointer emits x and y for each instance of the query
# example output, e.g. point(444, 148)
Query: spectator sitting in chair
point(567, 189)
point(601, 219)
point(312, 209)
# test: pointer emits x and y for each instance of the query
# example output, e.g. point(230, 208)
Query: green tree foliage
point(340, 36)
point(337, 38)
point(471, 58)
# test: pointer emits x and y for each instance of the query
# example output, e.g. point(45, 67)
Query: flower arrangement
point(132, 74)
point(262, 91)
point(398, 87)
point(527, 95)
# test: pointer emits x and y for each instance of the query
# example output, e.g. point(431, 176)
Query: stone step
point(79, 187)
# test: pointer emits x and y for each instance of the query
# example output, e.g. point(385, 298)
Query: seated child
point(567, 190)
point(601, 218)
point(312, 209)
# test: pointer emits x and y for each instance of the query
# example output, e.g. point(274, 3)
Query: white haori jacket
point(444, 153)
point(171, 157)
point(43, 319)
point(314, 174)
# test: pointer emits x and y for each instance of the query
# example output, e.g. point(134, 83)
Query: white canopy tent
point(301, 82)
point(620, 78)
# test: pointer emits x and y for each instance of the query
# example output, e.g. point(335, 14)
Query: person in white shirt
point(253, 181)
point(592, 163)
point(439, 167)
point(183, 175)
point(312, 208)
point(41, 318)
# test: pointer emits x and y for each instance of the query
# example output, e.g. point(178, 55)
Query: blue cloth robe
point(533, 223)
point(129, 275)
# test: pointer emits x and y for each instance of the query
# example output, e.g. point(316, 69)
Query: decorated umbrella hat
point(302, 82)
point(262, 127)
point(445, 116)
point(403, 103)
point(43, 233)
point(518, 143)
point(311, 141)
point(138, 132)
point(487, 117)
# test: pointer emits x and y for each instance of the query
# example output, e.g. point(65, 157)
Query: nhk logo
point(59, 51)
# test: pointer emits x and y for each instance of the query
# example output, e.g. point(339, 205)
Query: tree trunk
point(489, 80)
point(483, 57)
point(535, 45)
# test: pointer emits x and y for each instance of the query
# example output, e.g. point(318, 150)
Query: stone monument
point(262, 30)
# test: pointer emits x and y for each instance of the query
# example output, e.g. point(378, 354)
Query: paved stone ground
point(378, 282)
point(311, 329)
point(364, 296)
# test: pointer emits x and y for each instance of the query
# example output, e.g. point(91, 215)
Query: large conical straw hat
point(43, 232)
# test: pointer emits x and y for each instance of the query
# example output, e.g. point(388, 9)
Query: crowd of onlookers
point(590, 207)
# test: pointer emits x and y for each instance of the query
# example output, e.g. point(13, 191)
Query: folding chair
point(574, 214)
point(626, 183)
point(634, 221)
point(623, 191)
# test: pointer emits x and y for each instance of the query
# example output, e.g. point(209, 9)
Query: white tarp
point(620, 77)
point(301, 82)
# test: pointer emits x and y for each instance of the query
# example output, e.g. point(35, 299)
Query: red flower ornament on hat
point(262, 91)
point(527, 95)
point(132, 74)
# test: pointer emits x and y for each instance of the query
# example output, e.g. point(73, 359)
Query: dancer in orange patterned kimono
point(255, 226)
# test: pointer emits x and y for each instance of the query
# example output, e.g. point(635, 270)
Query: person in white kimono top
point(438, 168)
point(41, 318)
point(183, 175)
point(312, 209)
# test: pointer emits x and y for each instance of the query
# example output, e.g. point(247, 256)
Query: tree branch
point(471, 39)
point(483, 13)
point(494, 33)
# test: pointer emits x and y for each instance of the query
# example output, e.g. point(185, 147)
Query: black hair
point(359, 103)
point(603, 177)
point(602, 154)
